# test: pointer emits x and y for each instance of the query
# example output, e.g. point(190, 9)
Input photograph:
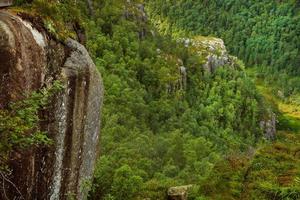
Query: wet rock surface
point(29, 61)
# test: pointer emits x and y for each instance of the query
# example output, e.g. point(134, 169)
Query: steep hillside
point(261, 33)
point(171, 112)
point(269, 172)
point(179, 109)
point(264, 33)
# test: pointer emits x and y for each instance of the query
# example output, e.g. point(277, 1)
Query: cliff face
point(31, 60)
point(212, 50)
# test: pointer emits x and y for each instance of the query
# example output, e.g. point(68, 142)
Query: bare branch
point(9, 181)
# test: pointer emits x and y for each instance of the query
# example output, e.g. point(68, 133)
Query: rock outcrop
point(268, 125)
point(212, 54)
point(29, 61)
point(211, 50)
point(136, 11)
point(179, 192)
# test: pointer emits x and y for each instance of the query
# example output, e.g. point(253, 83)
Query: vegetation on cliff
point(20, 123)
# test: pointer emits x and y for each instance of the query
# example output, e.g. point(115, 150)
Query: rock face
point(29, 61)
point(213, 51)
point(137, 12)
point(268, 125)
point(5, 3)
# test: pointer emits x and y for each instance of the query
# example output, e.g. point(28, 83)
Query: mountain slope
point(157, 133)
point(178, 108)
point(264, 33)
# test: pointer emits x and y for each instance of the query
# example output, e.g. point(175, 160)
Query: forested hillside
point(261, 33)
point(154, 138)
point(264, 33)
point(178, 109)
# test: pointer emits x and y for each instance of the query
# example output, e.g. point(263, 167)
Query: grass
point(287, 108)
point(274, 170)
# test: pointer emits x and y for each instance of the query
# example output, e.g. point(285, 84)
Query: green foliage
point(289, 193)
point(271, 171)
point(154, 138)
point(126, 185)
point(264, 33)
point(60, 18)
point(19, 123)
point(156, 134)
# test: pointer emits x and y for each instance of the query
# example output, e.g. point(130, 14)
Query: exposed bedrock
point(29, 61)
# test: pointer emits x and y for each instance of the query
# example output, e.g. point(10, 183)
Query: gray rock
point(179, 192)
point(5, 3)
point(268, 125)
point(211, 49)
point(183, 77)
point(215, 52)
point(83, 96)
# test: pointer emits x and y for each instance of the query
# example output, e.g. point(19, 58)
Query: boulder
point(179, 192)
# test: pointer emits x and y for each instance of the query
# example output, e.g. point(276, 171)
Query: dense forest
point(158, 132)
point(264, 33)
point(261, 33)
point(153, 139)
